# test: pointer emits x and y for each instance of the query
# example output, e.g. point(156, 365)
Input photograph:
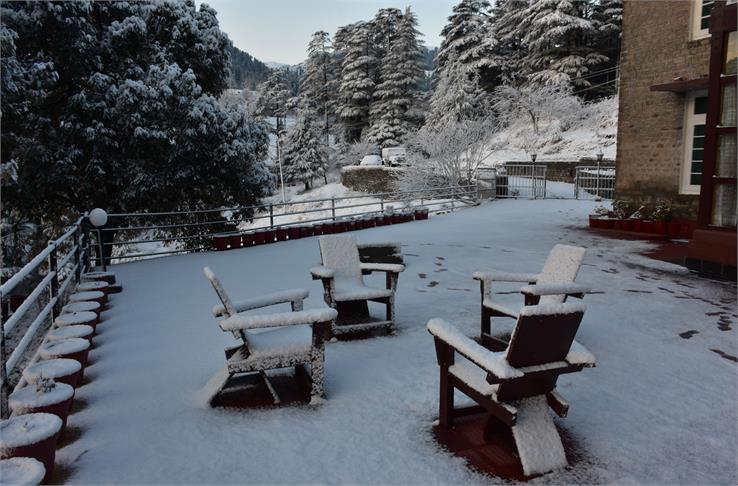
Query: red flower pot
point(318, 229)
point(22, 470)
point(352, 225)
point(293, 232)
point(686, 230)
point(33, 436)
point(672, 229)
point(220, 242)
point(628, 224)
point(618, 224)
point(638, 225)
point(607, 223)
point(378, 220)
point(648, 227)
point(85, 318)
point(60, 370)
point(270, 235)
point(30, 400)
point(306, 231)
point(93, 285)
point(247, 239)
point(387, 218)
point(235, 240)
point(259, 237)
point(281, 234)
point(94, 295)
point(421, 214)
point(68, 332)
point(660, 227)
point(409, 216)
point(108, 277)
point(340, 226)
point(74, 348)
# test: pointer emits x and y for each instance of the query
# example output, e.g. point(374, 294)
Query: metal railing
point(592, 182)
point(189, 231)
point(521, 180)
point(56, 269)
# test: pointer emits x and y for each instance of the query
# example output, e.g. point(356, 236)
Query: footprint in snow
point(432, 283)
point(688, 334)
point(422, 275)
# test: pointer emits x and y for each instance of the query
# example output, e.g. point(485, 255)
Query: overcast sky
point(279, 30)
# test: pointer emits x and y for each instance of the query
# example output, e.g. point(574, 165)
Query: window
point(701, 10)
point(694, 142)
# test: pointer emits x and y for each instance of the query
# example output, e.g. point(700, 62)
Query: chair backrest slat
point(220, 291)
point(562, 266)
point(341, 254)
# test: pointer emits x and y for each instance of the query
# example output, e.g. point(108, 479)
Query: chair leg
point(446, 400)
point(317, 362)
point(391, 314)
point(486, 326)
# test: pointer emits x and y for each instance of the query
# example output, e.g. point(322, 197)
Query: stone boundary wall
point(565, 170)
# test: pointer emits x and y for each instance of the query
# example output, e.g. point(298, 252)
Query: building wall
point(656, 49)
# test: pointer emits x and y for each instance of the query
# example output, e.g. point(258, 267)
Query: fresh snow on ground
point(658, 408)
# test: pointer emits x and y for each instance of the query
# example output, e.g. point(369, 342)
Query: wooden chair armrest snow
point(321, 273)
point(391, 270)
point(311, 317)
point(533, 293)
point(294, 296)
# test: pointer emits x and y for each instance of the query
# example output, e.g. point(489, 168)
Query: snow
point(536, 438)
point(84, 306)
point(474, 377)
point(291, 295)
point(64, 347)
point(322, 272)
point(578, 354)
point(497, 276)
point(94, 285)
point(284, 341)
point(21, 471)
point(29, 397)
point(52, 368)
point(552, 309)
point(658, 408)
point(74, 318)
point(383, 267)
point(236, 323)
point(32, 428)
point(494, 363)
point(88, 295)
point(562, 266)
point(66, 332)
point(555, 288)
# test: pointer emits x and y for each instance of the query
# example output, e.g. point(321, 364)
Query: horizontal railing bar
point(24, 272)
point(17, 353)
point(27, 302)
point(138, 255)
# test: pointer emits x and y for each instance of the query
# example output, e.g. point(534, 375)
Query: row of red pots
point(44, 413)
point(282, 233)
point(672, 229)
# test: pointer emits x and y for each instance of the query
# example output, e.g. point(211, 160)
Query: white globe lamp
point(98, 217)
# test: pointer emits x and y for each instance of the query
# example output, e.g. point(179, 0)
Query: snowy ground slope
point(658, 408)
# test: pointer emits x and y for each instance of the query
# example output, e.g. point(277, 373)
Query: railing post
point(545, 180)
point(381, 202)
point(333, 208)
point(271, 216)
point(86, 239)
point(4, 388)
point(77, 255)
point(54, 287)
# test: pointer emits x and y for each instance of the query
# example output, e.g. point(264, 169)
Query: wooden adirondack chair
point(344, 288)
point(515, 387)
point(294, 339)
point(553, 285)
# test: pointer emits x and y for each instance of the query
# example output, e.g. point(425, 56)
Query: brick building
point(674, 54)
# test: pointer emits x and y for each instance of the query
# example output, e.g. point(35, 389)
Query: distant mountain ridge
point(246, 70)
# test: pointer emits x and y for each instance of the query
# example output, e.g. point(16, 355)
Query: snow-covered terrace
point(659, 407)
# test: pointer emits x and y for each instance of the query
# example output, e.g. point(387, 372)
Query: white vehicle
point(394, 156)
point(371, 160)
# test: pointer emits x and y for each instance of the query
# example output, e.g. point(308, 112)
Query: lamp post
point(599, 163)
point(98, 217)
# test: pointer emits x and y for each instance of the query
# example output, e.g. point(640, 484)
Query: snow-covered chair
point(344, 289)
point(515, 387)
point(271, 341)
point(552, 286)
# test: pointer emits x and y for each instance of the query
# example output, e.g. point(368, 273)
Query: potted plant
point(317, 229)
point(293, 232)
point(247, 239)
point(661, 216)
point(220, 242)
point(67, 332)
point(84, 318)
point(61, 370)
point(84, 306)
point(600, 214)
point(33, 435)
point(235, 240)
point(637, 219)
point(45, 396)
point(73, 348)
point(270, 234)
point(620, 210)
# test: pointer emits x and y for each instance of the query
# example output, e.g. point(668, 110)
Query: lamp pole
point(599, 163)
point(98, 217)
point(279, 161)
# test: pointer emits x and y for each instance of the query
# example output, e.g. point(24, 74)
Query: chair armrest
point(321, 272)
point(497, 276)
point(388, 244)
point(494, 364)
point(539, 290)
point(291, 295)
point(312, 316)
point(382, 267)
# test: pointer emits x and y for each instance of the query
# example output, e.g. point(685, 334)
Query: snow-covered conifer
point(318, 85)
point(464, 35)
point(304, 157)
point(357, 80)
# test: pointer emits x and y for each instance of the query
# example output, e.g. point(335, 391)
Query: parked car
point(371, 160)
point(394, 156)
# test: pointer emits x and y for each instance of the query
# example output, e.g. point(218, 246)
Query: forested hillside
point(246, 70)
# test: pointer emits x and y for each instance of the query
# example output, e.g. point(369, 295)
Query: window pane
point(700, 105)
point(699, 130)
point(705, 13)
point(726, 156)
point(731, 54)
point(698, 142)
point(695, 179)
point(727, 110)
point(723, 205)
point(696, 167)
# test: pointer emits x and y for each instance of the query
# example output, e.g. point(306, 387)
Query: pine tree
point(504, 44)
point(304, 157)
point(273, 96)
point(464, 35)
point(357, 80)
point(607, 17)
point(318, 85)
point(458, 97)
point(394, 112)
point(558, 37)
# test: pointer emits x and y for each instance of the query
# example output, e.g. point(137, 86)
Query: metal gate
point(521, 180)
point(592, 182)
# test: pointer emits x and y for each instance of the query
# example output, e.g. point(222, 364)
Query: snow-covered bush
point(662, 211)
